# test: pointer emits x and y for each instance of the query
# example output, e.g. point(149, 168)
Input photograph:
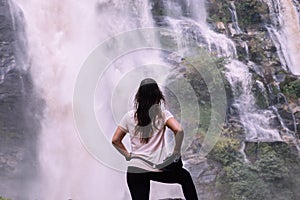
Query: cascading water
point(61, 35)
point(195, 30)
point(234, 18)
point(59, 39)
point(285, 32)
point(256, 122)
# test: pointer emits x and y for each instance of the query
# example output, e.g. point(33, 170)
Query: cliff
point(257, 153)
point(19, 113)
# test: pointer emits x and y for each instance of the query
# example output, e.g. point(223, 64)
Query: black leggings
point(139, 183)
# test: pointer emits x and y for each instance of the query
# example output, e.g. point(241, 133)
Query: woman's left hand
point(128, 157)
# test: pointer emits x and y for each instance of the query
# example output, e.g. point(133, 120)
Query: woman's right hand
point(176, 155)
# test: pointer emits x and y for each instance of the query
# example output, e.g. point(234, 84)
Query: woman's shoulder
point(166, 114)
point(127, 120)
point(131, 112)
point(130, 115)
point(164, 109)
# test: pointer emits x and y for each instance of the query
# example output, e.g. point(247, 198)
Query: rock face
point(204, 173)
point(278, 89)
point(18, 116)
point(235, 168)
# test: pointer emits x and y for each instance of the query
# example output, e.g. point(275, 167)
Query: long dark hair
point(148, 112)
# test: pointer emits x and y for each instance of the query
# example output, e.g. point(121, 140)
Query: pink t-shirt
point(153, 151)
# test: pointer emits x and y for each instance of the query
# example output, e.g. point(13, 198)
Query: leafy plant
point(225, 151)
point(2, 198)
point(251, 12)
point(292, 89)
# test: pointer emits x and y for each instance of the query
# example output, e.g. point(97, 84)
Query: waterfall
point(288, 136)
point(234, 18)
point(194, 30)
point(242, 151)
point(245, 46)
point(61, 35)
point(257, 123)
point(263, 90)
point(285, 32)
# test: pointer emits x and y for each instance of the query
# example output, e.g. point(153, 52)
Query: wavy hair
point(148, 112)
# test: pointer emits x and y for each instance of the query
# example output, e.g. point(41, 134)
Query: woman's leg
point(139, 185)
point(181, 176)
point(187, 185)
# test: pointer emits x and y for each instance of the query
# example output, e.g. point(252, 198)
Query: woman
point(146, 125)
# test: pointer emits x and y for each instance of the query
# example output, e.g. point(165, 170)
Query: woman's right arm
point(118, 144)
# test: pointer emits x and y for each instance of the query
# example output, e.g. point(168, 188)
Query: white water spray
point(256, 122)
point(195, 30)
point(234, 18)
point(61, 35)
point(285, 32)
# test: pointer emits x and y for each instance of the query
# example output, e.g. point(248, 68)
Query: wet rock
point(231, 29)
point(220, 27)
point(172, 199)
point(19, 119)
point(208, 178)
point(204, 173)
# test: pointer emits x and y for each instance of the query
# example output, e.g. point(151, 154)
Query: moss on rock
point(2, 198)
point(251, 12)
point(291, 88)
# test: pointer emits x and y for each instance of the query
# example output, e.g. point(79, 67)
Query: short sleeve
point(124, 123)
point(168, 115)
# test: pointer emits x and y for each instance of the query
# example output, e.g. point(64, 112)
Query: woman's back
point(154, 150)
point(146, 126)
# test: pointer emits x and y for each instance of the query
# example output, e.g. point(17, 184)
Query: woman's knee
point(184, 177)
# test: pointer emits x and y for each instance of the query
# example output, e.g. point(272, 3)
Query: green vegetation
point(228, 145)
point(1, 198)
point(258, 47)
point(201, 76)
point(272, 170)
point(291, 89)
point(244, 182)
point(251, 12)
point(252, 15)
point(197, 77)
point(272, 173)
point(219, 11)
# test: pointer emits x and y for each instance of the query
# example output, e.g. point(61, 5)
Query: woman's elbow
point(179, 131)
point(118, 136)
point(115, 141)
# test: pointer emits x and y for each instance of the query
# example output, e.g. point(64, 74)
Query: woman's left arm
point(175, 126)
point(117, 142)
